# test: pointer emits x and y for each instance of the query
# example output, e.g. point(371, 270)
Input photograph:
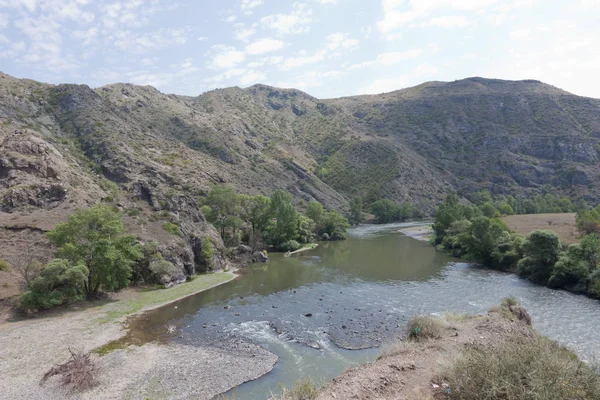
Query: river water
point(327, 309)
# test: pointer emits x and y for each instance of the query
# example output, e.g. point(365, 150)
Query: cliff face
point(154, 155)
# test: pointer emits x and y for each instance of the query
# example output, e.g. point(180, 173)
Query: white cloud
point(294, 62)
point(225, 57)
point(243, 33)
point(295, 23)
point(341, 41)
point(248, 5)
point(263, 46)
point(415, 77)
point(449, 21)
point(398, 13)
point(202, 38)
point(252, 77)
point(390, 58)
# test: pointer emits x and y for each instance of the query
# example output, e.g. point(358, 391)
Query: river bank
point(419, 232)
point(29, 347)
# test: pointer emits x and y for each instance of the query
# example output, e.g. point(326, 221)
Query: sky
point(328, 48)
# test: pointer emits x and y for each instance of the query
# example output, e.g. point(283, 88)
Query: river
point(325, 310)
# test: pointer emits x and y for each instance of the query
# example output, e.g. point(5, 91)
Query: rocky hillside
point(154, 155)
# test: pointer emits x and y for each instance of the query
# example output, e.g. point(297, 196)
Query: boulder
point(260, 256)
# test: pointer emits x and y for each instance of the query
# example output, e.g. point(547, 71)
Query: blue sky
point(328, 48)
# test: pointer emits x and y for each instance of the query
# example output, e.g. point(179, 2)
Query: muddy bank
point(28, 348)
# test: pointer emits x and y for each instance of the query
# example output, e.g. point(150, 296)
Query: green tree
point(385, 211)
point(96, 238)
point(482, 238)
point(406, 211)
point(540, 251)
point(489, 210)
point(220, 206)
point(335, 225)
point(285, 224)
point(207, 254)
point(60, 282)
point(356, 211)
point(256, 210)
point(446, 213)
point(315, 211)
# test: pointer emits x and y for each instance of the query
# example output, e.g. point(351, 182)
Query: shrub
point(172, 228)
point(540, 251)
point(305, 389)
point(59, 283)
point(425, 327)
point(290, 245)
point(77, 374)
point(521, 368)
point(161, 268)
point(593, 288)
point(4, 265)
point(207, 253)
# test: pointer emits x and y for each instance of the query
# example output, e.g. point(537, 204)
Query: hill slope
point(154, 154)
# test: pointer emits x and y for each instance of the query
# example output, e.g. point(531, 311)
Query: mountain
point(154, 154)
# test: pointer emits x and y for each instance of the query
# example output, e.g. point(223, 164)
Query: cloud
point(294, 62)
point(243, 33)
point(398, 13)
point(341, 41)
point(449, 21)
point(248, 5)
point(421, 72)
point(294, 23)
point(225, 57)
point(263, 46)
point(389, 58)
point(252, 77)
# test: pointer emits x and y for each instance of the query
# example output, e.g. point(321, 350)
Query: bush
point(305, 389)
point(540, 251)
point(77, 374)
point(172, 228)
point(593, 288)
point(521, 368)
point(290, 245)
point(207, 254)
point(425, 327)
point(4, 265)
point(59, 283)
point(161, 268)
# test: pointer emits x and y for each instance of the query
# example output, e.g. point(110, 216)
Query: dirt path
point(410, 369)
point(28, 348)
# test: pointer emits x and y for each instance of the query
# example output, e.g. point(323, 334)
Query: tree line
point(273, 221)
point(466, 231)
point(494, 206)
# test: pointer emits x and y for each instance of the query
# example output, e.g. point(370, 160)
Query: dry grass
point(525, 368)
point(77, 374)
point(305, 389)
point(422, 327)
point(562, 224)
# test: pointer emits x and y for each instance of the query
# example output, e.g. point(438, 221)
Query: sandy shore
point(423, 232)
point(28, 348)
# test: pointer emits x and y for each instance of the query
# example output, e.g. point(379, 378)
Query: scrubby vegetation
point(464, 230)
point(425, 327)
point(521, 368)
point(305, 389)
point(271, 221)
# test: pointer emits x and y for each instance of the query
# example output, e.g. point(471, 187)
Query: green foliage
point(220, 207)
point(172, 228)
point(315, 212)
point(140, 270)
point(161, 267)
point(207, 254)
point(256, 211)
point(422, 327)
point(290, 245)
point(4, 265)
point(488, 210)
point(540, 251)
point(306, 229)
point(527, 368)
point(334, 225)
point(588, 221)
point(96, 238)
point(356, 211)
point(385, 211)
point(285, 226)
point(60, 282)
